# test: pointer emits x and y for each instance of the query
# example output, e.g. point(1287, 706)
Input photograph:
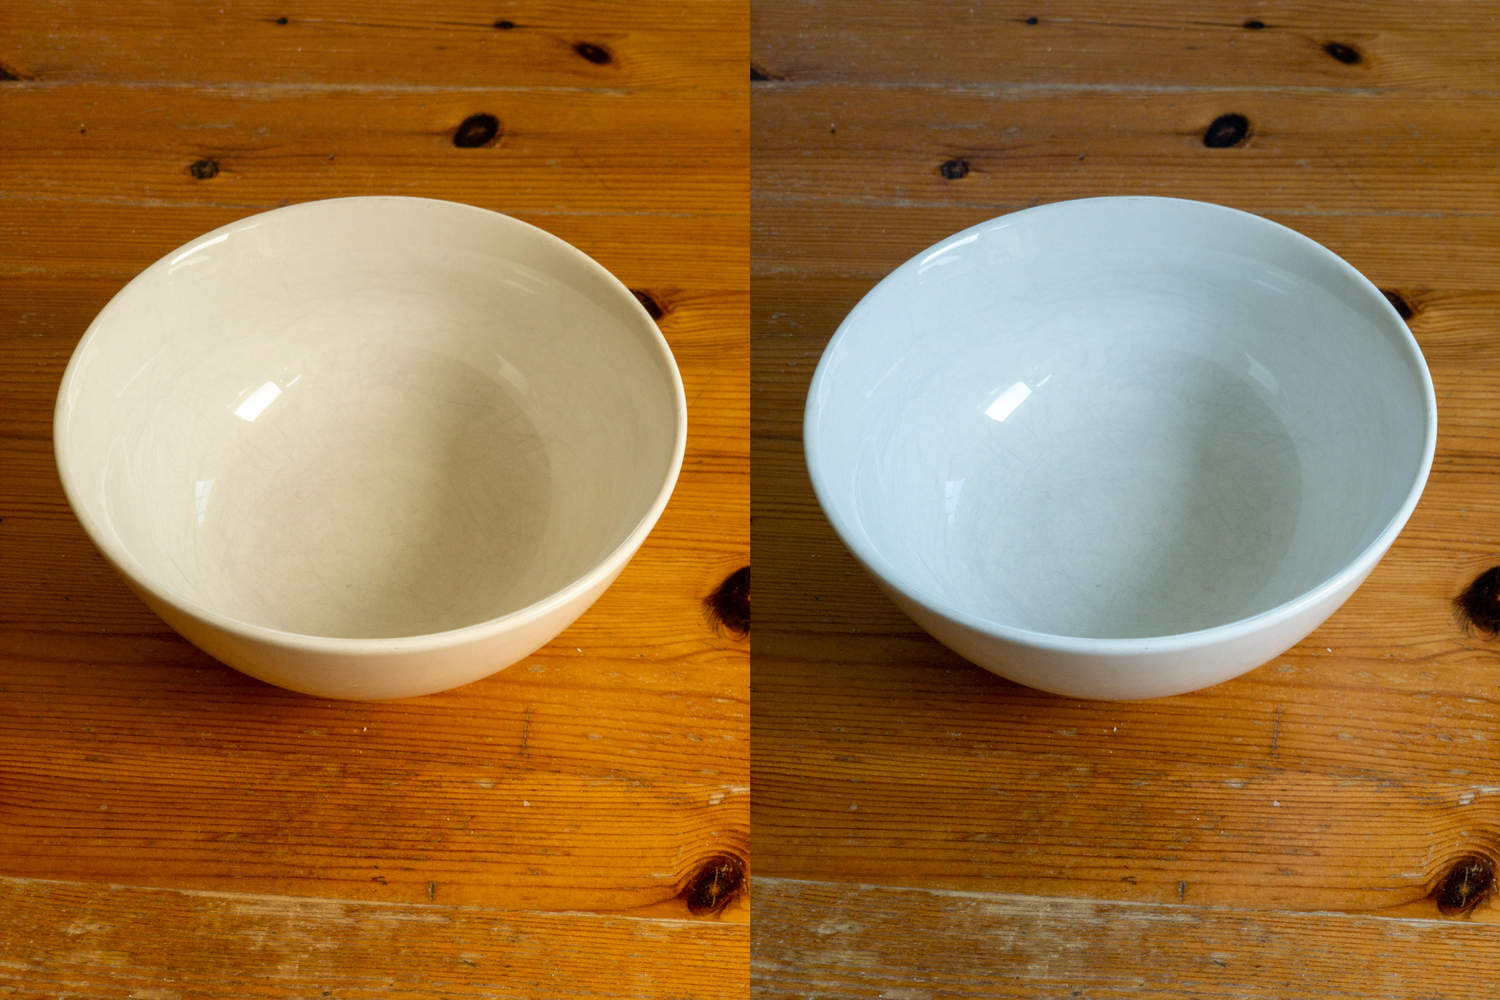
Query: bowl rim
point(605, 569)
point(1353, 569)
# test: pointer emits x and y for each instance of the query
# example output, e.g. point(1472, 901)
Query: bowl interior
point(369, 418)
point(1120, 418)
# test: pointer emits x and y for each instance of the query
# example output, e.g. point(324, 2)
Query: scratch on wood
point(525, 731)
point(1276, 730)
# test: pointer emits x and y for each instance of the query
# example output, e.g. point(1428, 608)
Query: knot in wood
point(596, 54)
point(1467, 883)
point(476, 130)
point(1478, 607)
point(715, 885)
point(1346, 54)
point(653, 307)
point(728, 607)
point(1226, 130)
point(1403, 308)
point(954, 169)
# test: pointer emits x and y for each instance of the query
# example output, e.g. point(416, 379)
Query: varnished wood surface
point(1435, 44)
point(1354, 774)
point(133, 943)
point(386, 45)
point(866, 942)
point(169, 827)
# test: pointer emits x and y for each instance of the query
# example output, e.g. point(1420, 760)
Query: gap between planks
point(250, 88)
point(301, 905)
point(769, 887)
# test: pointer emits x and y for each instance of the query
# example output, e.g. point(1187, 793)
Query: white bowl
point(371, 447)
point(1121, 447)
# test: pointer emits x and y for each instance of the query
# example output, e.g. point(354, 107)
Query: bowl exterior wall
point(363, 675)
point(1126, 676)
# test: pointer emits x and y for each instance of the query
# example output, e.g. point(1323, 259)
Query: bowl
point(371, 447)
point(1121, 448)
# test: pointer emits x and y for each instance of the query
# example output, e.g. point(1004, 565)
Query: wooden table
point(570, 827)
point(923, 829)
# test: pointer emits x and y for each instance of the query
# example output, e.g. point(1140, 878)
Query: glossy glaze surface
point(355, 429)
point(1112, 447)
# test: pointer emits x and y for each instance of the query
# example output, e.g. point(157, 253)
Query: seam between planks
point(327, 902)
point(1029, 89)
point(770, 884)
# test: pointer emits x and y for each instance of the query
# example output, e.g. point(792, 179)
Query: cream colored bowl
point(371, 447)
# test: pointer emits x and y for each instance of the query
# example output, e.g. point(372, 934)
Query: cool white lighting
point(951, 490)
point(927, 261)
point(1007, 401)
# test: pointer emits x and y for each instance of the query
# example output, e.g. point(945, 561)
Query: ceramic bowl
point(1121, 447)
point(371, 447)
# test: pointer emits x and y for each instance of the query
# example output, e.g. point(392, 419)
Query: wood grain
point(172, 828)
point(119, 941)
point(1120, 44)
point(611, 152)
point(1354, 774)
point(549, 786)
point(1390, 155)
point(851, 942)
point(385, 45)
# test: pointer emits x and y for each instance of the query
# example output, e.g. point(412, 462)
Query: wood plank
point(640, 729)
point(1349, 779)
point(1374, 152)
point(264, 802)
point(616, 151)
point(1130, 45)
point(862, 942)
point(119, 941)
point(384, 44)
